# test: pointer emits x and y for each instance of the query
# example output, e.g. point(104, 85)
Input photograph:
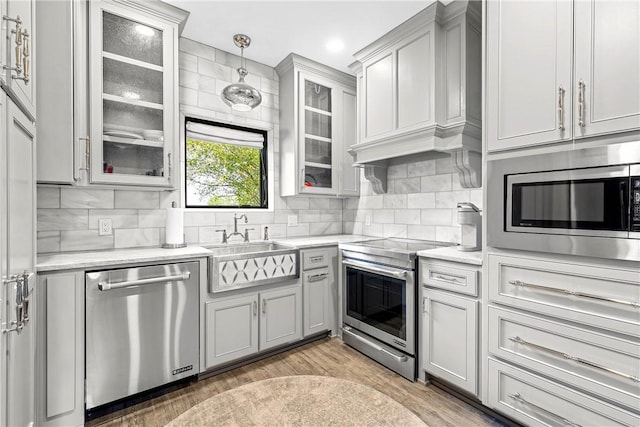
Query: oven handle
point(106, 286)
point(386, 271)
point(365, 341)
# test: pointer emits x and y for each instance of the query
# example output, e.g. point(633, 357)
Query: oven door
point(379, 300)
point(587, 202)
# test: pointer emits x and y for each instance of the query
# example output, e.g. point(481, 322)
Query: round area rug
point(304, 400)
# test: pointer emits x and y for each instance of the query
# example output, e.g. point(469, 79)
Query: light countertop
point(92, 259)
point(317, 241)
point(453, 254)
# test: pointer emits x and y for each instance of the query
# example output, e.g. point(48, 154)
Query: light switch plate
point(105, 227)
point(292, 220)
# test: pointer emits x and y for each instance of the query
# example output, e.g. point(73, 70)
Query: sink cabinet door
point(231, 329)
point(281, 316)
point(316, 301)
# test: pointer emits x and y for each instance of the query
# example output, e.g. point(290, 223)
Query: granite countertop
point(91, 259)
point(453, 254)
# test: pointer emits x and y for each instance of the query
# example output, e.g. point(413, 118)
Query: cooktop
point(400, 245)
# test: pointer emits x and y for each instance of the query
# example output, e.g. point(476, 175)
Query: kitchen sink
point(235, 266)
point(247, 248)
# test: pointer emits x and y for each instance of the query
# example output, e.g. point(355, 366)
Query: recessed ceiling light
point(144, 30)
point(335, 45)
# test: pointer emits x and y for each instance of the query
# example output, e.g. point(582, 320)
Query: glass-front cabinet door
point(132, 97)
point(317, 123)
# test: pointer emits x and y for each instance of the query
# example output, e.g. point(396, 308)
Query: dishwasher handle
point(106, 286)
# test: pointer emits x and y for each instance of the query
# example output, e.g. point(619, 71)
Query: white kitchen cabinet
point(561, 70)
point(528, 73)
point(17, 53)
point(133, 60)
point(319, 290)
point(450, 334)
point(317, 127)
point(281, 320)
point(316, 299)
point(112, 67)
point(247, 323)
point(421, 91)
point(60, 359)
point(62, 65)
point(17, 234)
point(607, 63)
point(571, 319)
point(232, 329)
point(534, 400)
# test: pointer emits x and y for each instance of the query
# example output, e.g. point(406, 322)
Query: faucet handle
point(224, 235)
point(246, 233)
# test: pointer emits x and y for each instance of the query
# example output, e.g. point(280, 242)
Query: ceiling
point(278, 28)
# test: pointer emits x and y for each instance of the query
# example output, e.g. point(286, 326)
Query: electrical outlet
point(367, 220)
point(292, 220)
point(105, 227)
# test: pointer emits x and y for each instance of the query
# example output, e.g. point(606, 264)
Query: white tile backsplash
point(137, 199)
point(120, 218)
point(86, 198)
point(421, 200)
point(132, 238)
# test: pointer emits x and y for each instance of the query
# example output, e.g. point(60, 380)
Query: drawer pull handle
point(446, 278)
point(519, 340)
point(318, 258)
point(317, 277)
point(516, 396)
point(522, 284)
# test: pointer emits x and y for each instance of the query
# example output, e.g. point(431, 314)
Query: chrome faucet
point(245, 236)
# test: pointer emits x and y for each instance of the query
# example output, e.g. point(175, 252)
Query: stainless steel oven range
point(379, 298)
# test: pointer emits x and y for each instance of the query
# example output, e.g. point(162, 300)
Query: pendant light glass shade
point(241, 96)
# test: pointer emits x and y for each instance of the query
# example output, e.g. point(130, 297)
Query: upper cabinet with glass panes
point(317, 126)
point(133, 92)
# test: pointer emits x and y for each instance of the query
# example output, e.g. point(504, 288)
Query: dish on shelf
point(153, 135)
point(126, 142)
point(122, 134)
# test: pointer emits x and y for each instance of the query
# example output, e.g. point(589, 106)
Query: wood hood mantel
point(419, 90)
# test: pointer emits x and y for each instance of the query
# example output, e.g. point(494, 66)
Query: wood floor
point(329, 356)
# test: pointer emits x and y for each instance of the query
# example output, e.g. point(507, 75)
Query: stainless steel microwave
point(581, 202)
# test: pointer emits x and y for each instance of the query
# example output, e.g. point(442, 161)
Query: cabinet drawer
point(316, 258)
point(449, 276)
point(532, 400)
point(602, 296)
point(569, 353)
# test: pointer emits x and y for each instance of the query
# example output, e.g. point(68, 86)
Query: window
point(226, 166)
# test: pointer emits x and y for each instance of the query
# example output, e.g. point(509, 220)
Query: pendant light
point(241, 96)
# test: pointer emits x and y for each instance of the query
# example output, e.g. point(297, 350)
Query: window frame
point(265, 187)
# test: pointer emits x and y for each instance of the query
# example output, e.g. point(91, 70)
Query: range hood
point(419, 90)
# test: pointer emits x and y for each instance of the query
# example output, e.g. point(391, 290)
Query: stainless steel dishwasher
point(141, 329)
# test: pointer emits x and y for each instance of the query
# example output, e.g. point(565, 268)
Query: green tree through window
point(228, 173)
